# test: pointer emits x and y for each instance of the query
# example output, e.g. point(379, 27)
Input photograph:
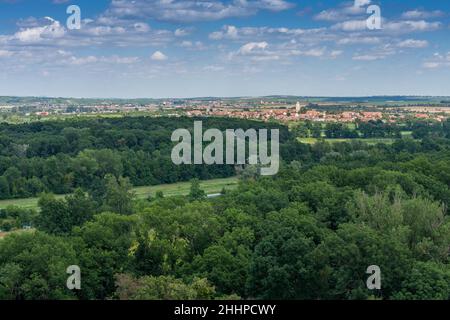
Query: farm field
point(176, 189)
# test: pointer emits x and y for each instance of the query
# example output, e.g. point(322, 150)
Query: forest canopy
point(309, 232)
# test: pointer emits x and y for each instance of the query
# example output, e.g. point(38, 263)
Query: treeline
point(309, 232)
point(60, 156)
point(373, 129)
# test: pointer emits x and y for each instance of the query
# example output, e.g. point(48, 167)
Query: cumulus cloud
point(159, 56)
point(52, 30)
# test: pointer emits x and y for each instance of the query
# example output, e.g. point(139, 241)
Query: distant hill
point(12, 100)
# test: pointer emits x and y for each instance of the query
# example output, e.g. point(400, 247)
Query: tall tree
point(119, 195)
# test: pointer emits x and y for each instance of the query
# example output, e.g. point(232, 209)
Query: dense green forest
point(309, 232)
point(373, 129)
point(60, 156)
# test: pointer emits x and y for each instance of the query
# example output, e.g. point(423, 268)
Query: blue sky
point(191, 48)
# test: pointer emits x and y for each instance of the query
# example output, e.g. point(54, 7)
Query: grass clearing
point(176, 189)
point(368, 141)
point(182, 188)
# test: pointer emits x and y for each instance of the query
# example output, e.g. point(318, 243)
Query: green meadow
point(176, 189)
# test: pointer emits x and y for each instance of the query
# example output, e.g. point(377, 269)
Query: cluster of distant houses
point(289, 115)
point(296, 114)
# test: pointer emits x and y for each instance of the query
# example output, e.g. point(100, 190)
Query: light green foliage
point(196, 193)
point(118, 195)
point(163, 288)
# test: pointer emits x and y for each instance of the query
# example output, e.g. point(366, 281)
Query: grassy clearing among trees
point(174, 189)
point(368, 141)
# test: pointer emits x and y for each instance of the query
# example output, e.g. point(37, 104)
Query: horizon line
point(226, 97)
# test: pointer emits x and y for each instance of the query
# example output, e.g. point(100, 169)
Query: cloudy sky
point(174, 48)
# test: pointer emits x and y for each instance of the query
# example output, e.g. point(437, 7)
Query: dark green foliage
point(60, 156)
point(33, 266)
point(60, 216)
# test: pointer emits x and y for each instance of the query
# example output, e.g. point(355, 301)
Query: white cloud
point(110, 32)
point(47, 32)
point(227, 32)
point(158, 56)
point(262, 52)
point(182, 32)
point(356, 39)
point(398, 27)
point(192, 10)
point(252, 47)
point(347, 11)
point(411, 26)
point(367, 57)
point(361, 3)
point(196, 45)
point(421, 14)
point(351, 25)
point(411, 43)
point(254, 34)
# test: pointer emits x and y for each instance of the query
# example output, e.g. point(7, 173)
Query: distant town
point(283, 109)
